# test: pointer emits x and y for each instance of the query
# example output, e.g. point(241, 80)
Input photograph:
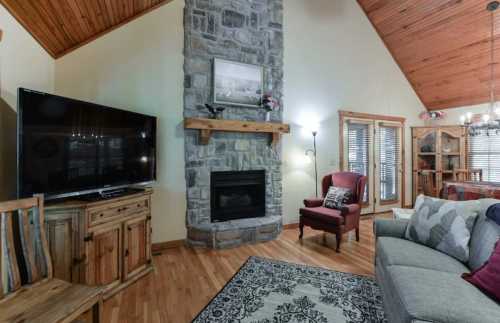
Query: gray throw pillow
point(337, 198)
point(444, 225)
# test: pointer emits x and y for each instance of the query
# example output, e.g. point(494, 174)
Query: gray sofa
point(420, 284)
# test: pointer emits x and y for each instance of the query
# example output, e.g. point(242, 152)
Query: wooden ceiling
point(61, 26)
point(442, 46)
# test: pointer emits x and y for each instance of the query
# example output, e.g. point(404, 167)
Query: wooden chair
point(28, 291)
point(465, 175)
point(428, 185)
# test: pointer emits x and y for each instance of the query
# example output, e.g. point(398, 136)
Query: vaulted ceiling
point(61, 26)
point(442, 46)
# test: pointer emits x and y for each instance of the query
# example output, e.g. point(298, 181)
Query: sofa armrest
point(313, 202)
point(390, 228)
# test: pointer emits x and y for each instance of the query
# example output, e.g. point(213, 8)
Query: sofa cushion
point(444, 225)
point(484, 236)
point(394, 251)
point(439, 297)
point(323, 214)
point(493, 213)
point(487, 278)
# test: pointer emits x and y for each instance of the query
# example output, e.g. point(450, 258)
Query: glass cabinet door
point(426, 161)
point(450, 157)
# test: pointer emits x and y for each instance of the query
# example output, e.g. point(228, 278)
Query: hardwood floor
point(186, 279)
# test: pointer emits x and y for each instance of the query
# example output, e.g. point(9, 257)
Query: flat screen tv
point(68, 147)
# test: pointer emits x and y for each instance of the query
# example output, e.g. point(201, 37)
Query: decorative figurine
point(214, 112)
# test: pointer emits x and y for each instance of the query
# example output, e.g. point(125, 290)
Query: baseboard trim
point(158, 247)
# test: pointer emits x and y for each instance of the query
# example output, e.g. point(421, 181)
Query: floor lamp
point(314, 153)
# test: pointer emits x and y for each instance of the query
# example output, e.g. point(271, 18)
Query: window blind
point(484, 153)
point(358, 142)
point(389, 152)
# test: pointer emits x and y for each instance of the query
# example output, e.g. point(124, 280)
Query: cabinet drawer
point(102, 215)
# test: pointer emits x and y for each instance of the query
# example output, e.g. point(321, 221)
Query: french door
point(374, 148)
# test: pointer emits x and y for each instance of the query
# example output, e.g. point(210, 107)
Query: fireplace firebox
point(237, 195)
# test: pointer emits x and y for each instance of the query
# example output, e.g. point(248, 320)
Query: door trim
point(373, 118)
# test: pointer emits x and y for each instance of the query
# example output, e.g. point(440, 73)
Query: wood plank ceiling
point(61, 26)
point(442, 46)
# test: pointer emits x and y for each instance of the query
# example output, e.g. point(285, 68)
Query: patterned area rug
point(270, 291)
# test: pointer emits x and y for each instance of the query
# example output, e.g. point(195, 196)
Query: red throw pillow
point(487, 278)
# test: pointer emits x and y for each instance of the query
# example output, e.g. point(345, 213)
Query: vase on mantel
point(270, 104)
point(268, 116)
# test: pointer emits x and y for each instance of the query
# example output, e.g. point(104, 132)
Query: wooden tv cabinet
point(104, 243)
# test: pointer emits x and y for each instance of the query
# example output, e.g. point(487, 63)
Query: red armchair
point(316, 216)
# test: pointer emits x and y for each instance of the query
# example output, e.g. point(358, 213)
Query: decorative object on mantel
point(432, 115)
point(215, 113)
point(270, 104)
point(207, 126)
point(237, 83)
point(314, 130)
point(490, 121)
point(266, 290)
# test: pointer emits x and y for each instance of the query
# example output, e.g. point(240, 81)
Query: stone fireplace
point(247, 31)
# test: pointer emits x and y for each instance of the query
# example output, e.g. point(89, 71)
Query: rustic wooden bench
point(28, 291)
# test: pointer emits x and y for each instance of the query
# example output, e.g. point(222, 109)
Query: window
point(389, 152)
point(484, 153)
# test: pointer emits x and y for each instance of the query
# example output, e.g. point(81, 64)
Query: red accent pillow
point(487, 278)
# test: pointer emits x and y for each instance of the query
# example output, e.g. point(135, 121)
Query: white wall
point(453, 115)
point(139, 67)
point(334, 60)
point(23, 63)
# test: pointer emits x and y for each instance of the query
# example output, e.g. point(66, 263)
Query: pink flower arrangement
point(432, 115)
point(269, 103)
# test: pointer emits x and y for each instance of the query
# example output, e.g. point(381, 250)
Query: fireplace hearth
point(237, 195)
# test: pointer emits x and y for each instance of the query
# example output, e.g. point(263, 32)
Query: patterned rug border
point(271, 260)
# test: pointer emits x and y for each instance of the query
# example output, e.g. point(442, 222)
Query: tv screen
point(68, 147)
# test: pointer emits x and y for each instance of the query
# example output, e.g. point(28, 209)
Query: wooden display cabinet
point(437, 152)
point(103, 243)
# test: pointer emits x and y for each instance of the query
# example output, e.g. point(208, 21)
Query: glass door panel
point(358, 155)
point(388, 166)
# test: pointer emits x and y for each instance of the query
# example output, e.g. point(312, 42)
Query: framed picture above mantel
point(237, 83)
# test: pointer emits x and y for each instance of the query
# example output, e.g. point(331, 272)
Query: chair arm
point(313, 202)
point(390, 228)
point(352, 208)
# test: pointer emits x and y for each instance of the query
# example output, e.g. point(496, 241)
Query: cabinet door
point(103, 262)
point(425, 161)
point(62, 229)
point(453, 151)
point(137, 242)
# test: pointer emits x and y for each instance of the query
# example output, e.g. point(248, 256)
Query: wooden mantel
point(207, 126)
